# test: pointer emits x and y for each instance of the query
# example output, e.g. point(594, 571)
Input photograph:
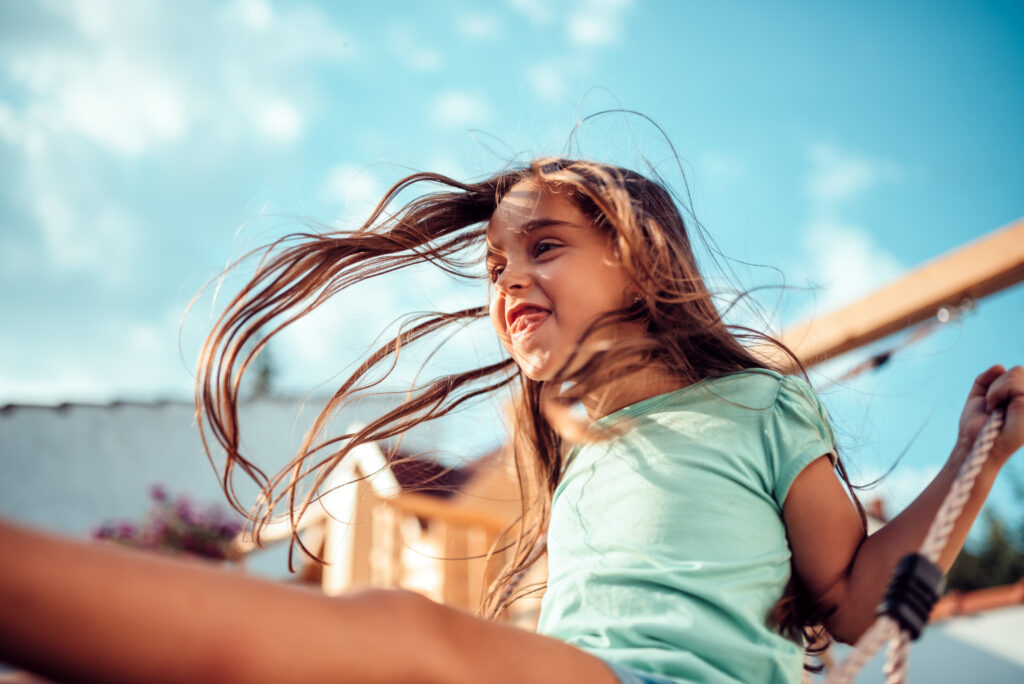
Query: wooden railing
point(970, 273)
point(371, 533)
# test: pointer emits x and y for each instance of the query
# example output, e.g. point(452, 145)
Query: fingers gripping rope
point(914, 587)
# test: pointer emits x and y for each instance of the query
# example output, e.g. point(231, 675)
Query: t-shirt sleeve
point(797, 431)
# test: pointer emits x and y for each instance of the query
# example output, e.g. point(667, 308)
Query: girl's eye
point(494, 271)
point(543, 247)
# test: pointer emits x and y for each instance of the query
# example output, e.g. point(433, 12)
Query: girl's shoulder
point(758, 388)
point(789, 397)
point(756, 381)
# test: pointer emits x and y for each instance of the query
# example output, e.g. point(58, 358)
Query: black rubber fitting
point(912, 593)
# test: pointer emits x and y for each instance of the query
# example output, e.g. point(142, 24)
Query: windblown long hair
point(685, 335)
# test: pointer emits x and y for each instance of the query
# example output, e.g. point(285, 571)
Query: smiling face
point(553, 274)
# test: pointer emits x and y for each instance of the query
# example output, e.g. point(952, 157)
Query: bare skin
point(83, 612)
point(548, 262)
point(848, 571)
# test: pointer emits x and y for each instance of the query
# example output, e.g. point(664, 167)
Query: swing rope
point(914, 587)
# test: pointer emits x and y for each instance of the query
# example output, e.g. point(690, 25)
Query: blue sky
point(145, 144)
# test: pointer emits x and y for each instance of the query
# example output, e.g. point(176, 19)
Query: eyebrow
point(538, 223)
point(532, 226)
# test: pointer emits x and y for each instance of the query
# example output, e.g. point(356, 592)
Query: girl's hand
point(994, 387)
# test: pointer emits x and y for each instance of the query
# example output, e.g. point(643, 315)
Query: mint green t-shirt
point(667, 549)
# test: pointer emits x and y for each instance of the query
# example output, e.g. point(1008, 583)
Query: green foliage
point(999, 560)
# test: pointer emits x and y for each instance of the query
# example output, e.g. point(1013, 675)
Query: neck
point(630, 389)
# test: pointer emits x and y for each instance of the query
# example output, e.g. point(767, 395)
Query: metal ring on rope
point(914, 587)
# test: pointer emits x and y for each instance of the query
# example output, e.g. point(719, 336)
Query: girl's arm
point(849, 572)
point(75, 611)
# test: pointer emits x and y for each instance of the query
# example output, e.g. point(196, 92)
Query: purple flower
point(158, 493)
point(229, 528)
point(176, 526)
point(105, 531)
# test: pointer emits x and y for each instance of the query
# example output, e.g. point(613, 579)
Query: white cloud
point(547, 80)
point(407, 46)
point(847, 262)
point(477, 26)
point(81, 229)
point(337, 333)
point(114, 356)
point(597, 23)
point(102, 19)
point(122, 84)
point(840, 257)
point(104, 245)
point(104, 85)
point(459, 109)
point(425, 59)
point(256, 15)
point(354, 189)
point(538, 12)
point(447, 165)
point(11, 128)
point(838, 176)
point(112, 88)
point(279, 121)
point(292, 35)
point(898, 488)
point(719, 167)
point(72, 226)
point(112, 100)
point(587, 23)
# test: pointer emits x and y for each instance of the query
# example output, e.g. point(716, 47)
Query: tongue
point(526, 316)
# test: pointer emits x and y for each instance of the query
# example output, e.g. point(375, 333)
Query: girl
point(695, 522)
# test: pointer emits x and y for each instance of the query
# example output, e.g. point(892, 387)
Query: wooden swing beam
point(987, 265)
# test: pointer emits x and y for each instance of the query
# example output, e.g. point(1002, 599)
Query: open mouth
point(525, 318)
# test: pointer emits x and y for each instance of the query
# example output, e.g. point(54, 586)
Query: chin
point(534, 372)
point(537, 367)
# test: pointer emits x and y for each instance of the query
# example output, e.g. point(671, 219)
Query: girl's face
point(554, 273)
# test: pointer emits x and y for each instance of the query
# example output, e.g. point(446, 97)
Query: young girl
point(695, 522)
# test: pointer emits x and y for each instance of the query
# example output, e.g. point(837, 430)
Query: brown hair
point(685, 335)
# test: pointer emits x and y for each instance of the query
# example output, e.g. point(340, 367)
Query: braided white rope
point(953, 504)
point(885, 628)
point(898, 657)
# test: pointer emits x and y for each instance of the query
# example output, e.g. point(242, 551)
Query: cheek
point(497, 308)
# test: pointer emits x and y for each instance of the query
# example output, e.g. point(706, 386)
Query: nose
point(512, 277)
